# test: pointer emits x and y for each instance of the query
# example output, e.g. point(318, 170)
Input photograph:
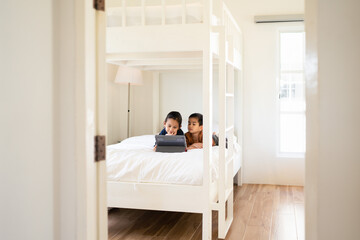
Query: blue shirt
point(179, 132)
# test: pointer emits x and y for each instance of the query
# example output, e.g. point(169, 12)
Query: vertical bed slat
point(231, 122)
point(163, 12)
point(156, 102)
point(143, 12)
point(207, 123)
point(183, 20)
point(222, 131)
point(123, 13)
point(230, 54)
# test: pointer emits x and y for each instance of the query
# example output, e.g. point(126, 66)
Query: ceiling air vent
point(279, 18)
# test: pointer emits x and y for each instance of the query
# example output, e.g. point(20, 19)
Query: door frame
point(80, 211)
point(101, 120)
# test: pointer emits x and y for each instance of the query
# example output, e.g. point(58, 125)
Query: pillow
point(140, 140)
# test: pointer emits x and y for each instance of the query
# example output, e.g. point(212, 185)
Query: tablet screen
point(170, 140)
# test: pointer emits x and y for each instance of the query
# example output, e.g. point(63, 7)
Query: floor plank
point(256, 233)
point(298, 194)
point(165, 224)
point(283, 202)
point(260, 212)
point(185, 228)
point(242, 212)
point(283, 227)
point(300, 220)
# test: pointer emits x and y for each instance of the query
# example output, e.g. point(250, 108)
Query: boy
point(194, 136)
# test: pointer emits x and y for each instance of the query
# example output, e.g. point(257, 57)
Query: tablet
point(170, 143)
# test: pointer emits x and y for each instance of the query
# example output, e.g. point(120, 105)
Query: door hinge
point(99, 5)
point(100, 148)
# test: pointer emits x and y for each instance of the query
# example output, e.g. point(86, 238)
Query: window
point(292, 93)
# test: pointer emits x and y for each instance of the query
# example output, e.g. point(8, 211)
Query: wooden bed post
point(156, 102)
point(240, 108)
point(207, 122)
point(222, 132)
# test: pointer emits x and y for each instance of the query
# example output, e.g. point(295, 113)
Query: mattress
point(153, 15)
point(134, 160)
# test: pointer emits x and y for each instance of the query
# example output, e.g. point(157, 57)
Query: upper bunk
point(157, 34)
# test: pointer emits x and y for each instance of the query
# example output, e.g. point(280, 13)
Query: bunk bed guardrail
point(143, 13)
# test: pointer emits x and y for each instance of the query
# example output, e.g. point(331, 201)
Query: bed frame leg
point(221, 222)
point(206, 225)
point(238, 177)
point(225, 216)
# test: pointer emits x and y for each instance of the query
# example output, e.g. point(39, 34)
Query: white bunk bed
point(156, 35)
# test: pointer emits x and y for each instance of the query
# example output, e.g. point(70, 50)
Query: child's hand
point(190, 147)
point(155, 148)
point(195, 146)
point(171, 133)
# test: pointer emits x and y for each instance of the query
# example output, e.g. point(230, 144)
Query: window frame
point(292, 29)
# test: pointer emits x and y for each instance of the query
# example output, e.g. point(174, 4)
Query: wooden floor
point(260, 212)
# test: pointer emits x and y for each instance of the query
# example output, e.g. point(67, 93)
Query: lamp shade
point(127, 75)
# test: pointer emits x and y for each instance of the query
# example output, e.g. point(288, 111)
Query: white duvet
point(134, 160)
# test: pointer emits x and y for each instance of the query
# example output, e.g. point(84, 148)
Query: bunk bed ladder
point(226, 132)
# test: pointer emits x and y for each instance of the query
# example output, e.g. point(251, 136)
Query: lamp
point(129, 76)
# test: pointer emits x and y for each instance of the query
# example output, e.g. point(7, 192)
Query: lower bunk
point(139, 178)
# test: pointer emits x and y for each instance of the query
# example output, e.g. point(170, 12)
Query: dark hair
point(198, 116)
point(174, 115)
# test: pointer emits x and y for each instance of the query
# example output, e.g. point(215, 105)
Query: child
point(172, 124)
point(194, 136)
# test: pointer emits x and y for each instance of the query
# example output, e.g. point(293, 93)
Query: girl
point(172, 124)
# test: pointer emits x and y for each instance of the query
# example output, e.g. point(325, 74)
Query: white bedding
point(134, 160)
point(173, 13)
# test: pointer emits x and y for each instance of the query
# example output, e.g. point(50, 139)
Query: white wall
point(26, 103)
point(176, 91)
point(141, 109)
point(333, 86)
point(261, 164)
point(182, 92)
point(117, 107)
